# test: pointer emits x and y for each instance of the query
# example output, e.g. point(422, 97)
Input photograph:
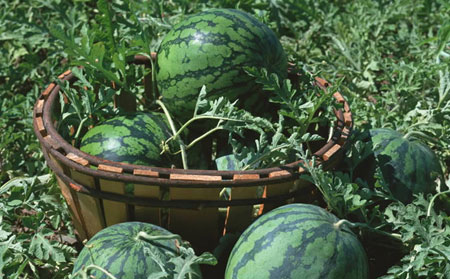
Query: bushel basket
point(186, 202)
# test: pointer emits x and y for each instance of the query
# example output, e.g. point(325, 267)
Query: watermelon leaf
point(4, 246)
point(427, 235)
point(41, 247)
point(105, 19)
point(201, 100)
point(98, 52)
point(184, 264)
point(205, 258)
point(158, 275)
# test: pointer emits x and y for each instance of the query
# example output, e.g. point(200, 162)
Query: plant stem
point(200, 118)
point(80, 127)
point(341, 222)
point(433, 199)
point(182, 271)
point(192, 143)
point(145, 236)
point(442, 254)
point(304, 126)
point(420, 135)
point(175, 132)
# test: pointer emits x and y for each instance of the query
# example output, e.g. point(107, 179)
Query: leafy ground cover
point(389, 58)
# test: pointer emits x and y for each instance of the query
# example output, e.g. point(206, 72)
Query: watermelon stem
point(215, 129)
point(433, 199)
point(203, 117)
point(146, 237)
point(419, 135)
point(80, 127)
point(338, 225)
point(175, 132)
point(192, 143)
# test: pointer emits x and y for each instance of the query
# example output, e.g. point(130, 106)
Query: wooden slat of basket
point(143, 213)
point(77, 159)
point(70, 198)
point(40, 126)
point(339, 98)
point(344, 136)
point(66, 73)
point(200, 227)
point(239, 217)
point(89, 207)
point(308, 192)
point(39, 107)
point(330, 152)
point(47, 91)
point(126, 101)
point(348, 119)
point(115, 212)
point(275, 190)
point(76, 218)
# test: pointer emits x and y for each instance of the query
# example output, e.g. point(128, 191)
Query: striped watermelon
point(211, 48)
point(133, 138)
point(407, 166)
point(123, 253)
point(297, 241)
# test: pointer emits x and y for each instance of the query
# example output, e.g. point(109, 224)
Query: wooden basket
point(95, 188)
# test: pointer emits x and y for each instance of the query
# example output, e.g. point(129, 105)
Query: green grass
point(391, 59)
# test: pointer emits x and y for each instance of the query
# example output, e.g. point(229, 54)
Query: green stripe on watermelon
point(407, 166)
point(133, 138)
point(119, 250)
point(297, 241)
point(211, 48)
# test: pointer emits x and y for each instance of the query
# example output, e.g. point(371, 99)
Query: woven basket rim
point(74, 158)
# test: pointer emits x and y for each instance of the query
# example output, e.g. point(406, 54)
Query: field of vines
point(389, 59)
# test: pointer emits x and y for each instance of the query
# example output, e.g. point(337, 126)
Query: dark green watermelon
point(134, 138)
point(297, 241)
point(119, 250)
point(409, 167)
point(211, 48)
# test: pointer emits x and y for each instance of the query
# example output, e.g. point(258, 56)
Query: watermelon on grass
point(120, 250)
point(297, 241)
point(134, 138)
point(409, 167)
point(211, 48)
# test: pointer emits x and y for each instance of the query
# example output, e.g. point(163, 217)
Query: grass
point(391, 59)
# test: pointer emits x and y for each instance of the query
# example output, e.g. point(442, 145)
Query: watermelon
point(297, 241)
point(211, 48)
point(408, 166)
point(133, 138)
point(121, 251)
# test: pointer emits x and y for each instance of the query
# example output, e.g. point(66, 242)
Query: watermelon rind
point(297, 241)
point(132, 138)
point(408, 166)
point(118, 250)
point(211, 48)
